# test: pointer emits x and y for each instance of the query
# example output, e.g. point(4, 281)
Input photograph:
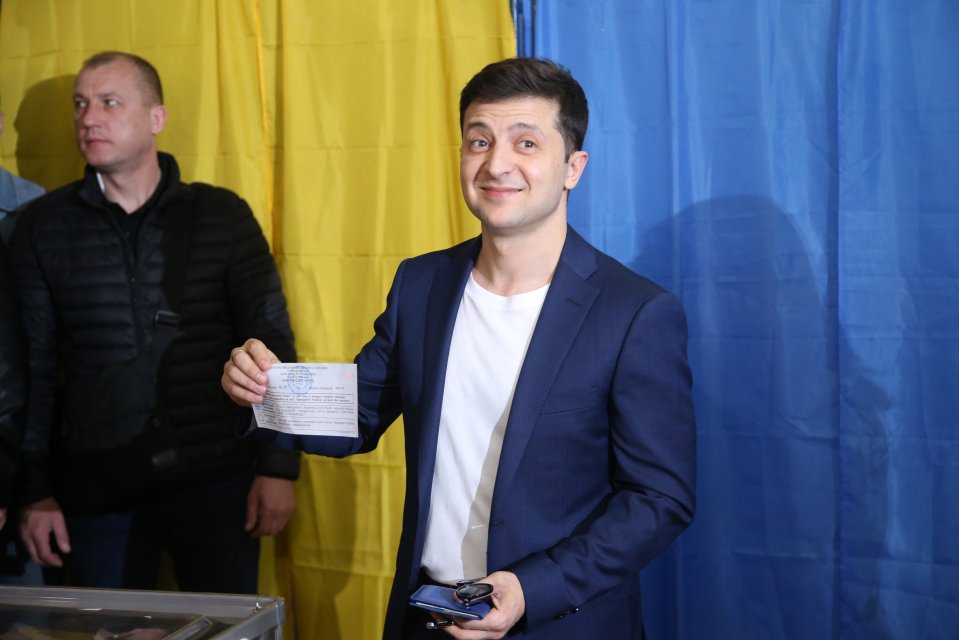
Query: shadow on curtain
point(788, 169)
point(46, 148)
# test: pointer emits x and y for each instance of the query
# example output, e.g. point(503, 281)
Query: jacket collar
point(91, 193)
point(443, 303)
point(568, 302)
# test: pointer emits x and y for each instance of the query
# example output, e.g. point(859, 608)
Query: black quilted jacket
point(89, 305)
point(12, 381)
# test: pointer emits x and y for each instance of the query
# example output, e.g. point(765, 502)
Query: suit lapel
point(443, 303)
point(567, 303)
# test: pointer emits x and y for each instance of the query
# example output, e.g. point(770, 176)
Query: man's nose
point(86, 115)
point(499, 160)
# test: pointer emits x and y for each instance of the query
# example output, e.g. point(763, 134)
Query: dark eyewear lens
point(474, 592)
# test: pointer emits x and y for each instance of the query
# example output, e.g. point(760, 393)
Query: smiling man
point(544, 388)
point(134, 285)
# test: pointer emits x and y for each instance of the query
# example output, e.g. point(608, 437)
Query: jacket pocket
point(562, 400)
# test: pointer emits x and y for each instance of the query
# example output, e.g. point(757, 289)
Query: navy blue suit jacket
point(597, 467)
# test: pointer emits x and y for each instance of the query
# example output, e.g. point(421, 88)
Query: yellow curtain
point(338, 123)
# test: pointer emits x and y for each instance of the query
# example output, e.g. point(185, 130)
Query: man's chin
point(92, 159)
point(97, 161)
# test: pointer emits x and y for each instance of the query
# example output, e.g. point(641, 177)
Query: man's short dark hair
point(149, 78)
point(532, 78)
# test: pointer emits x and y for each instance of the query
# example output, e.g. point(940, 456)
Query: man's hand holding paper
point(299, 398)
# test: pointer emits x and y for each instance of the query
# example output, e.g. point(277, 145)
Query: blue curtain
point(790, 169)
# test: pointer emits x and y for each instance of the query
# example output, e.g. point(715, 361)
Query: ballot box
point(41, 613)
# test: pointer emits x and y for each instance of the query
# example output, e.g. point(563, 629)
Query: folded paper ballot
point(310, 398)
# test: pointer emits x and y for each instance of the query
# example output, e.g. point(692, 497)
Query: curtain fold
point(338, 123)
point(788, 169)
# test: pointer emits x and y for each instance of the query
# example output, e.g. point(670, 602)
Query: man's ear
point(574, 168)
point(158, 116)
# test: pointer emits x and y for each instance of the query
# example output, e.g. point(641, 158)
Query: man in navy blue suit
point(550, 435)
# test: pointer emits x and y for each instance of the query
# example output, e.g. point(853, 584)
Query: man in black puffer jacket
point(134, 286)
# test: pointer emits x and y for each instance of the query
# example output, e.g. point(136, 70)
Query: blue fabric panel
point(898, 243)
point(790, 169)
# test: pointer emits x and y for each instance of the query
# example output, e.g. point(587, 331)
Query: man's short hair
point(149, 78)
point(532, 78)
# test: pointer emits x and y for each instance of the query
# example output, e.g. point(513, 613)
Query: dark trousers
point(201, 527)
point(414, 626)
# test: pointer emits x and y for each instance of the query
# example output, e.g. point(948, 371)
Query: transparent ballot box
point(42, 613)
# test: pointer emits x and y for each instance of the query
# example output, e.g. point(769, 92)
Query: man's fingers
point(271, 522)
point(60, 533)
point(40, 522)
point(259, 355)
point(263, 525)
point(273, 502)
point(42, 553)
point(462, 631)
point(268, 522)
point(241, 386)
point(237, 393)
point(244, 374)
point(262, 528)
point(252, 512)
point(49, 557)
point(245, 362)
point(31, 550)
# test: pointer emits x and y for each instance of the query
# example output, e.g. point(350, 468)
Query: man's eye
point(479, 144)
point(527, 144)
point(79, 104)
point(111, 102)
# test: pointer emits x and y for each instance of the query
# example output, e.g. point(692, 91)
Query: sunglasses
point(470, 591)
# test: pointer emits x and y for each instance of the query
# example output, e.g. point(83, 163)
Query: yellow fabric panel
point(205, 53)
point(367, 174)
point(338, 123)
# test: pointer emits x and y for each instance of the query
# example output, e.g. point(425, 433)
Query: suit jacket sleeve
point(652, 468)
point(378, 386)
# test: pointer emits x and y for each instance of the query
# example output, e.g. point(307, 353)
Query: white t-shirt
point(489, 343)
